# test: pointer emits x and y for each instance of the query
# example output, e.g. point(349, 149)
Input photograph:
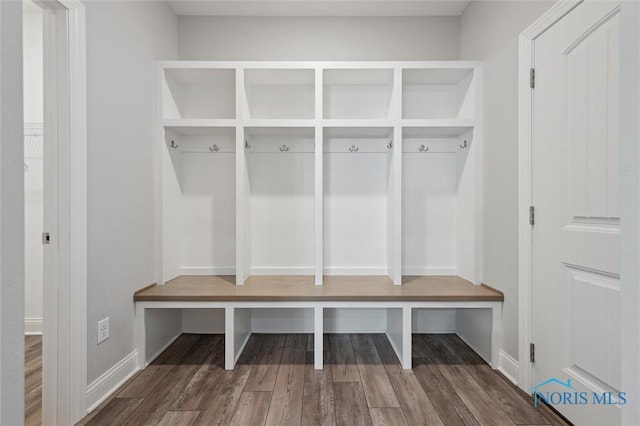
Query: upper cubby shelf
point(438, 93)
point(279, 93)
point(357, 93)
point(199, 93)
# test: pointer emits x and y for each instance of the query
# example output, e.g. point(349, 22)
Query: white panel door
point(575, 254)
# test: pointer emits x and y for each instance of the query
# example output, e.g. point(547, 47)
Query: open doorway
point(34, 207)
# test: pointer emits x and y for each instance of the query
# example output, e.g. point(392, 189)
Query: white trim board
point(525, 99)
point(33, 326)
point(509, 367)
point(65, 292)
point(111, 380)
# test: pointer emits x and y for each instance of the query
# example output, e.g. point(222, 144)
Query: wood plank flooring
point(363, 383)
point(33, 380)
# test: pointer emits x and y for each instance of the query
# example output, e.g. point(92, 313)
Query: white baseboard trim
point(509, 367)
point(354, 271)
point(32, 326)
point(418, 270)
point(282, 270)
point(434, 331)
point(196, 270)
point(111, 380)
point(163, 348)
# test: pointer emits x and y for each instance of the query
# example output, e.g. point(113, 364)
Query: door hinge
point(46, 238)
point(532, 77)
point(532, 215)
point(532, 352)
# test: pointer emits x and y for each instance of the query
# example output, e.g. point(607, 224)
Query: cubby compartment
point(447, 93)
point(279, 93)
point(198, 201)
point(357, 186)
point(344, 327)
point(438, 203)
point(279, 200)
point(357, 93)
point(199, 93)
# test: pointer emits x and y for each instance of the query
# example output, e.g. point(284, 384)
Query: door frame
point(65, 292)
point(525, 119)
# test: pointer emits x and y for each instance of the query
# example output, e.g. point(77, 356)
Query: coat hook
point(246, 145)
point(174, 145)
point(423, 148)
point(353, 148)
point(284, 148)
point(464, 144)
point(390, 145)
point(214, 148)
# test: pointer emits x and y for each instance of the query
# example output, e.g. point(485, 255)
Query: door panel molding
point(525, 99)
point(580, 155)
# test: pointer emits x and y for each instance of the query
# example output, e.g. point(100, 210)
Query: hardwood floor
point(33, 380)
point(363, 383)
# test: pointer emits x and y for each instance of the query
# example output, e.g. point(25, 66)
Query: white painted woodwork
point(383, 8)
point(395, 319)
point(199, 93)
point(438, 93)
point(280, 162)
point(575, 176)
point(199, 201)
point(280, 93)
point(315, 168)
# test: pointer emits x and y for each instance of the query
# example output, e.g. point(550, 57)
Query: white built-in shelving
point(319, 168)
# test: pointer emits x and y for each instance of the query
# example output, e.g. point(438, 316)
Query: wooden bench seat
point(284, 292)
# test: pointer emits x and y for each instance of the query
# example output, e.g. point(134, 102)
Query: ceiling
point(319, 7)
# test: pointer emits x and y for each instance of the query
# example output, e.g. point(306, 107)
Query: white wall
point(32, 59)
point(630, 206)
point(34, 188)
point(124, 39)
point(489, 32)
point(11, 217)
point(347, 39)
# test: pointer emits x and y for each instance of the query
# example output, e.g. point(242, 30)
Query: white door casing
point(65, 208)
point(574, 189)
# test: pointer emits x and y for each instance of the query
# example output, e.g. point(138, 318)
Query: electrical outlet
point(103, 330)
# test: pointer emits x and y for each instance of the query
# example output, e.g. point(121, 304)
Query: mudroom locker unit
point(318, 197)
point(320, 169)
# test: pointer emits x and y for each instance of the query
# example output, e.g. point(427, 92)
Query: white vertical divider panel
point(319, 189)
point(229, 338)
point(478, 141)
point(396, 188)
point(243, 262)
point(407, 329)
point(318, 332)
point(158, 175)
